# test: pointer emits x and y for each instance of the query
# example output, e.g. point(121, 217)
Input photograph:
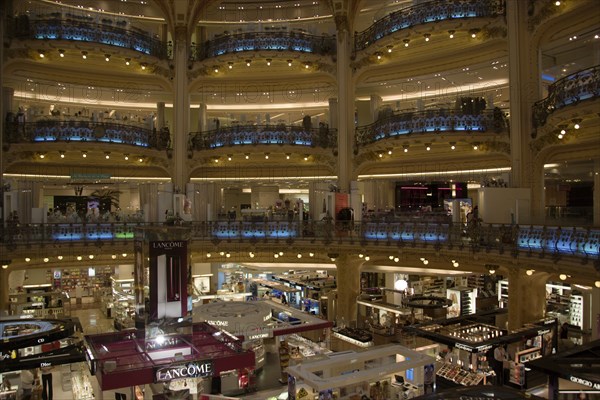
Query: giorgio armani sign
point(193, 369)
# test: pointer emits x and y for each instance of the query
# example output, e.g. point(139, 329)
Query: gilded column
point(524, 72)
point(345, 125)
point(526, 297)
point(348, 287)
point(181, 108)
point(596, 193)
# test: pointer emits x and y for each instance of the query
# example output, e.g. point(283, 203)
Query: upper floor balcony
point(432, 121)
point(570, 90)
point(78, 28)
point(431, 11)
point(293, 41)
point(280, 134)
point(80, 130)
point(549, 244)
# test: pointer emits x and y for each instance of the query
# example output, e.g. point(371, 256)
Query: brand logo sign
point(152, 345)
point(585, 382)
point(194, 369)
point(218, 323)
point(168, 245)
point(463, 347)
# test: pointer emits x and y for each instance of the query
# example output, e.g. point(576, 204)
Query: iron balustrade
point(571, 89)
point(263, 134)
point(261, 41)
point(510, 239)
point(431, 122)
point(85, 131)
point(87, 31)
point(424, 13)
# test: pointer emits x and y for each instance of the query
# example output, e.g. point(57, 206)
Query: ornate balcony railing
point(260, 41)
point(263, 135)
point(87, 31)
point(569, 90)
point(432, 11)
point(510, 239)
point(431, 122)
point(85, 131)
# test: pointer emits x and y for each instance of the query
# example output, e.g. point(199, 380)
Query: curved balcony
point(571, 89)
point(554, 241)
point(263, 135)
point(265, 41)
point(431, 11)
point(431, 122)
point(80, 30)
point(85, 131)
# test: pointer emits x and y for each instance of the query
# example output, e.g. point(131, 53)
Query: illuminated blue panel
point(99, 235)
point(67, 236)
point(578, 241)
point(225, 230)
point(592, 244)
point(523, 238)
point(371, 231)
point(395, 231)
point(551, 237)
point(563, 244)
point(408, 231)
point(535, 237)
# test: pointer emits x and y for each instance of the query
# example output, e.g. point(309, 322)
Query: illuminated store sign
point(218, 323)
point(195, 369)
point(168, 342)
point(585, 382)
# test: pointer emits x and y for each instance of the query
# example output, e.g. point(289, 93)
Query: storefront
point(467, 344)
point(571, 373)
point(210, 359)
point(384, 372)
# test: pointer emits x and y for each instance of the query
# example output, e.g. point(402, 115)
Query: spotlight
point(452, 145)
point(473, 33)
point(4, 266)
point(427, 36)
point(84, 154)
point(59, 257)
point(91, 256)
point(127, 61)
point(289, 63)
point(451, 32)
point(378, 55)
point(307, 65)
point(126, 157)
point(597, 284)
point(143, 65)
point(529, 272)
point(107, 155)
point(114, 256)
point(406, 42)
point(41, 53)
point(42, 155)
point(268, 62)
point(248, 63)
point(61, 53)
point(266, 156)
point(141, 159)
point(427, 146)
point(230, 65)
point(287, 156)
point(107, 57)
point(576, 123)
point(557, 3)
point(306, 157)
point(124, 255)
point(475, 147)
point(216, 69)
point(247, 156)
point(62, 154)
point(27, 259)
point(389, 48)
point(46, 259)
point(84, 55)
point(79, 258)
point(562, 277)
point(405, 147)
point(229, 157)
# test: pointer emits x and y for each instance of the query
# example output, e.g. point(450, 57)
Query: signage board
point(192, 369)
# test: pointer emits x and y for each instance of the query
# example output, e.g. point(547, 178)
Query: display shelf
point(123, 304)
point(517, 373)
point(503, 293)
point(82, 387)
point(457, 374)
point(526, 355)
point(463, 301)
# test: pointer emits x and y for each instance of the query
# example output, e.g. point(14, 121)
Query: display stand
point(123, 309)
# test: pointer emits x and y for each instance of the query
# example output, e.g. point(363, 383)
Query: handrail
point(431, 121)
point(431, 11)
point(263, 134)
point(86, 31)
point(260, 41)
point(571, 89)
point(551, 240)
point(85, 131)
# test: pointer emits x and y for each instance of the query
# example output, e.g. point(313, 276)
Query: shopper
point(500, 356)
point(47, 382)
point(27, 380)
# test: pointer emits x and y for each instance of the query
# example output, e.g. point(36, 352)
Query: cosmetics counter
point(39, 301)
point(381, 373)
point(467, 349)
point(122, 305)
point(8, 385)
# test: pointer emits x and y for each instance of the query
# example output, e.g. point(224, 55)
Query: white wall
point(504, 205)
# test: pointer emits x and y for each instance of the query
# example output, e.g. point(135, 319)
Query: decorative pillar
point(596, 192)
point(345, 170)
point(526, 297)
point(160, 115)
point(376, 101)
point(348, 286)
point(524, 71)
point(333, 113)
point(202, 117)
point(4, 289)
point(181, 108)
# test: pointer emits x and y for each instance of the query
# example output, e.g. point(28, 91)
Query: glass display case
point(123, 307)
